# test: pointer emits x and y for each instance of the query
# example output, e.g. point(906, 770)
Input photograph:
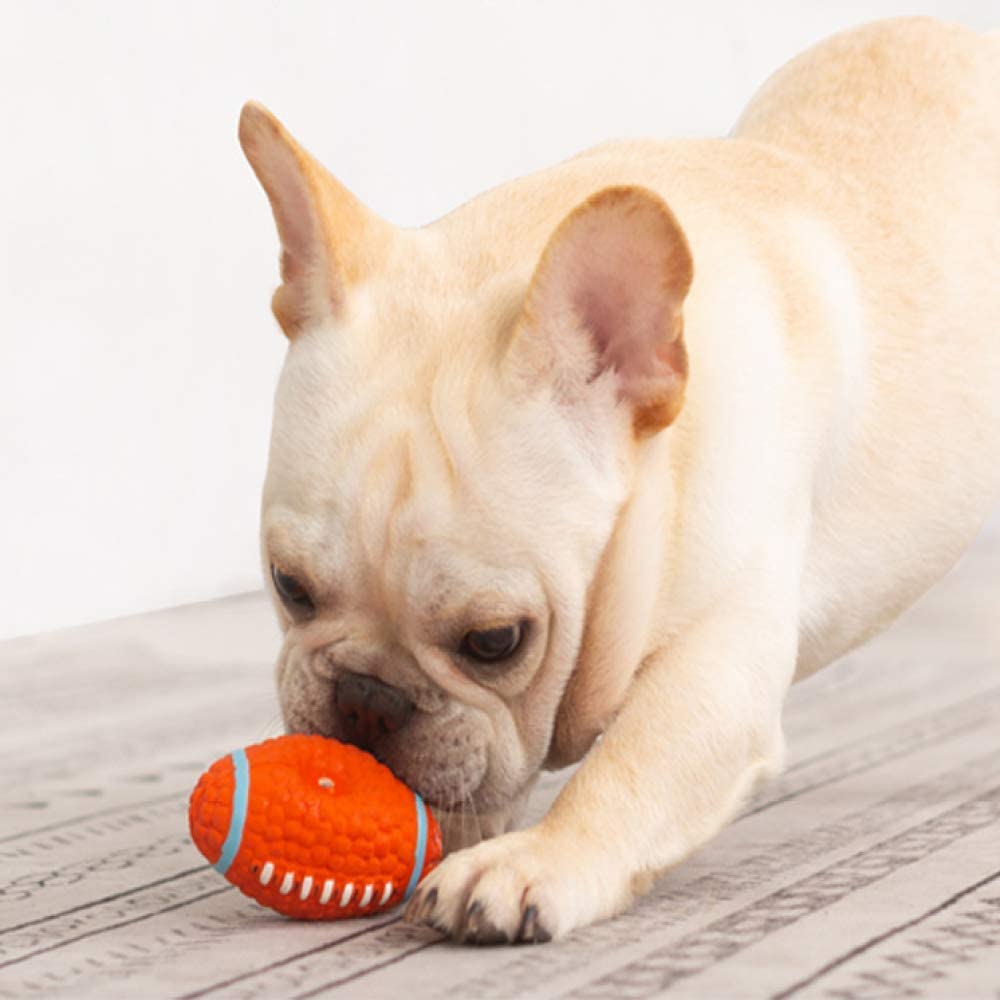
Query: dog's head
point(452, 443)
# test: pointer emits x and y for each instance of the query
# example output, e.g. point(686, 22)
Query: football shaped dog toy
point(313, 828)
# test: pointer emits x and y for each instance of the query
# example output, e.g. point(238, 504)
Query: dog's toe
point(478, 928)
point(531, 929)
point(520, 887)
point(420, 908)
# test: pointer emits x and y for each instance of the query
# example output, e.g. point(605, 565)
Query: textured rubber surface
point(328, 833)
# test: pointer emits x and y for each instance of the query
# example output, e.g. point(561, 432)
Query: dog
point(597, 465)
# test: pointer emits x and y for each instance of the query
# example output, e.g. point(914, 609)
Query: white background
point(137, 352)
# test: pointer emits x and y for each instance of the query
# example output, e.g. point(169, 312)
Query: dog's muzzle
point(368, 709)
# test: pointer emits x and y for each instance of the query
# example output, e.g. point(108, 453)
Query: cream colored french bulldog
point(623, 448)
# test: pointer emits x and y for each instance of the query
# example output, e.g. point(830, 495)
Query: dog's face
point(449, 454)
point(444, 530)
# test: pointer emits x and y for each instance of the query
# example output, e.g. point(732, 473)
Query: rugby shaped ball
point(313, 828)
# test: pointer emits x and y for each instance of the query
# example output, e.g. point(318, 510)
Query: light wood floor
point(870, 869)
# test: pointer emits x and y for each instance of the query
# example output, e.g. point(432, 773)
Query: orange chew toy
point(313, 828)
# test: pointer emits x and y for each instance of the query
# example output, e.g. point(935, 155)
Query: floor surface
point(870, 869)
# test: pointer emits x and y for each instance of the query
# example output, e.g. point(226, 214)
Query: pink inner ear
point(615, 267)
point(294, 214)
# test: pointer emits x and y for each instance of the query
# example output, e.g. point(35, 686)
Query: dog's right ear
point(329, 240)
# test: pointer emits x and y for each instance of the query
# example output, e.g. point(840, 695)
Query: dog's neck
point(629, 574)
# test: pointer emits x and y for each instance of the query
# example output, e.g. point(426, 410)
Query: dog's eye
point(291, 592)
point(491, 644)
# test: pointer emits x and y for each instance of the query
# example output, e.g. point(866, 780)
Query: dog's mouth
point(447, 784)
point(446, 756)
point(467, 811)
point(448, 768)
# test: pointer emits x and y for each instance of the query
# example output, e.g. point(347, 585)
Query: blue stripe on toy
point(241, 796)
point(421, 851)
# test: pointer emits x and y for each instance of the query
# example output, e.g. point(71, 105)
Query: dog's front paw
point(521, 887)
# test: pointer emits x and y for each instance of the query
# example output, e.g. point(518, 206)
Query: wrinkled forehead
point(375, 469)
point(403, 348)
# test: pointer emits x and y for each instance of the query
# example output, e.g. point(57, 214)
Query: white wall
point(137, 354)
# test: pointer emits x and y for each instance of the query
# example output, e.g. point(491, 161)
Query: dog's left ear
point(607, 296)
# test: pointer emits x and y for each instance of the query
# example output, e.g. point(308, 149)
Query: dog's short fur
point(701, 414)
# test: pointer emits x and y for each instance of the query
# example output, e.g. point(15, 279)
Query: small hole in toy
point(326, 782)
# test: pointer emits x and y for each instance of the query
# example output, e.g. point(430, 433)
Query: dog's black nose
point(368, 709)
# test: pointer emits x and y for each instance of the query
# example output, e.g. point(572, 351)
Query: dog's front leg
point(700, 725)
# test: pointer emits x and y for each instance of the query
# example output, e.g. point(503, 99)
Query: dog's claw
point(517, 888)
point(470, 925)
point(528, 920)
point(531, 931)
point(421, 907)
point(477, 928)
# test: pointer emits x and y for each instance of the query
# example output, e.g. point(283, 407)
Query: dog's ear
point(329, 240)
point(606, 297)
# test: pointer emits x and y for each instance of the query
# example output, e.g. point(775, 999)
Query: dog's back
point(864, 178)
point(886, 91)
point(904, 117)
